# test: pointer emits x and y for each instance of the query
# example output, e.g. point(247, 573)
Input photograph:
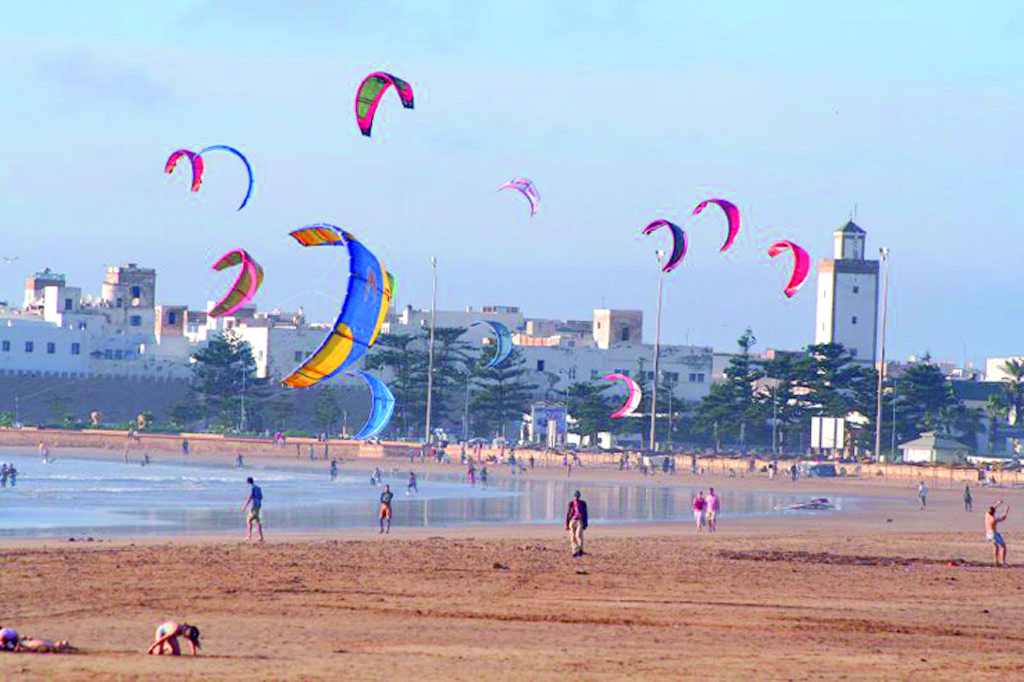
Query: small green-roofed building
point(932, 448)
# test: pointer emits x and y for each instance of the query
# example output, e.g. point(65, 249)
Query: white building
point(847, 301)
point(994, 368)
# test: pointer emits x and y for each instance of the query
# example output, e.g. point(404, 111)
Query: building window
point(29, 347)
point(135, 321)
point(68, 304)
point(621, 371)
point(540, 365)
point(624, 334)
point(6, 346)
point(298, 356)
point(172, 318)
point(108, 354)
point(854, 319)
point(76, 349)
point(136, 292)
point(51, 347)
point(671, 377)
point(118, 354)
point(598, 325)
point(856, 289)
point(696, 377)
point(82, 325)
point(119, 302)
point(594, 374)
point(572, 373)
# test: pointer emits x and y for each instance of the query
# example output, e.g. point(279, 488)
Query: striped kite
point(632, 399)
point(367, 300)
point(678, 243)
point(528, 190)
point(369, 95)
point(197, 166)
point(245, 287)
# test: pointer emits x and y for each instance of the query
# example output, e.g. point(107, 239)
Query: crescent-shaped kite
point(380, 411)
point(801, 264)
point(678, 243)
point(197, 165)
point(367, 300)
point(245, 287)
point(369, 93)
point(632, 399)
point(731, 213)
point(503, 340)
point(528, 190)
point(248, 168)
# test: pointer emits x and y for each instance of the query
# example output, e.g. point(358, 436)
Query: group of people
point(8, 472)
point(705, 510)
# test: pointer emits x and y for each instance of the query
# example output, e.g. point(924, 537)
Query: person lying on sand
point(166, 638)
point(44, 646)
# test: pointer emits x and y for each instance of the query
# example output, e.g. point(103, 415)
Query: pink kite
point(369, 93)
point(194, 159)
point(245, 287)
point(801, 266)
point(678, 243)
point(528, 189)
point(731, 213)
point(632, 400)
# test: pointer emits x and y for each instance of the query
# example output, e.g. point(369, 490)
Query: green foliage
point(407, 362)
point(221, 372)
point(589, 405)
point(326, 413)
point(6, 419)
point(502, 394)
point(730, 407)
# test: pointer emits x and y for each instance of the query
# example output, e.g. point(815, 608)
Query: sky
point(621, 112)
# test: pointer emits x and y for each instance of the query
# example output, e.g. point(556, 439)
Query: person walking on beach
point(184, 446)
point(334, 468)
point(922, 494)
point(255, 505)
point(166, 638)
point(411, 488)
point(576, 522)
point(992, 533)
point(712, 505)
point(239, 462)
point(968, 500)
point(699, 504)
point(385, 509)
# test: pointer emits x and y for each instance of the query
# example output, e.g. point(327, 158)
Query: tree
point(731, 404)
point(281, 410)
point(590, 408)
point(221, 372)
point(1013, 390)
point(502, 394)
point(450, 357)
point(925, 401)
point(781, 400)
point(326, 412)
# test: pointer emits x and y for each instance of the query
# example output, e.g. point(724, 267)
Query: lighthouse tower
point(847, 304)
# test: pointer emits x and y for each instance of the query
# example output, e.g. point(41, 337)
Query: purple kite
point(801, 265)
point(245, 287)
point(632, 399)
point(197, 166)
point(678, 243)
point(731, 212)
point(369, 93)
point(528, 189)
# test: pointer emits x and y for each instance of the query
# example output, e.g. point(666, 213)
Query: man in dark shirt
point(385, 509)
point(576, 522)
point(255, 506)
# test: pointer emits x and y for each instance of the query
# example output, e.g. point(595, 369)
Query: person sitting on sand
point(992, 533)
point(166, 639)
point(255, 504)
point(385, 509)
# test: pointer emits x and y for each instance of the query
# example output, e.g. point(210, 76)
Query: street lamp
point(884, 254)
point(660, 256)
point(430, 347)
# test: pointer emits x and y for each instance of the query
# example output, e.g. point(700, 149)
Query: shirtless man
point(166, 638)
point(992, 533)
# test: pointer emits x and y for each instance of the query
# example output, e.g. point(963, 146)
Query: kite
point(197, 166)
point(528, 189)
point(225, 148)
point(245, 287)
point(731, 212)
point(801, 265)
point(678, 243)
point(632, 400)
point(503, 347)
point(381, 410)
point(370, 92)
point(367, 300)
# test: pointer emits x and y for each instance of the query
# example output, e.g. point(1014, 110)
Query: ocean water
point(80, 497)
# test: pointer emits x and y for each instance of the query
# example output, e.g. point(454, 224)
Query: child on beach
point(166, 639)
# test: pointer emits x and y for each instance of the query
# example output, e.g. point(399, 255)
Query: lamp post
point(884, 254)
point(430, 347)
point(660, 256)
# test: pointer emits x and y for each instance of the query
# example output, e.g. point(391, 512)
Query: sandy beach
point(886, 591)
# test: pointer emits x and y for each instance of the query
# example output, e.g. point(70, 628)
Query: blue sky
point(621, 112)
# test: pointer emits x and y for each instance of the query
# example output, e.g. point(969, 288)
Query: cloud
point(82, 73)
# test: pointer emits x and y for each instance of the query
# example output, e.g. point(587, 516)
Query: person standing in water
point(992, 533)
point(255, 506)
point(968, 500)
point(483, 477)
point(385, 509)
point(576, 522)
point(334, 469)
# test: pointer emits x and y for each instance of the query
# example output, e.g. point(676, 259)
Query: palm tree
point(1013, 389)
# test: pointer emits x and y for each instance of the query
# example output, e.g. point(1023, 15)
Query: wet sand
point(851, 596)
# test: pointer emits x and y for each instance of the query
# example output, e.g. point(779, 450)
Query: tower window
point(171, 318)
point(540, 365)
point(135, 321)
point(856, 289)
point(68, 304)
point(51, 347)
point(136, 292)
point(29, 347)
point(76, 349)
point(854, 320)
point(624, 335)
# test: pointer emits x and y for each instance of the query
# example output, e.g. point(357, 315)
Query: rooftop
point(850, 228)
